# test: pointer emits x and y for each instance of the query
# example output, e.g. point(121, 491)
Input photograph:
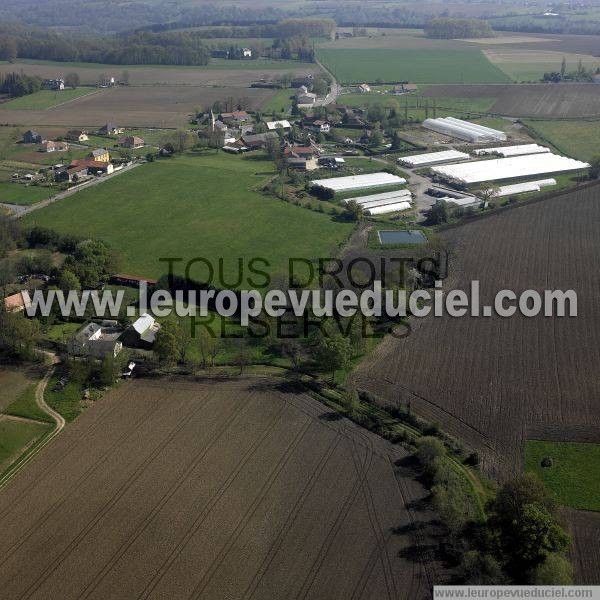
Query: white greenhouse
point(379, 197)
point(464, 130)
point(388, 208)
point(433, 158)
point(463, 202)
point(521, 188)
point(357, 182)
point(507, 168)
point(519, 150)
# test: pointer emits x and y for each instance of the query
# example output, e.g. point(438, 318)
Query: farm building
point(519, 150)
point(55, 85)
point(15, 303)
point(508, 168)
point(273, 125)
point(237, 116)
point(96, 341)
point(131, 141)
point(302, 164)
point(110, 129)
point(464, 130)
point(364, 88)
point(131, 280)
point(432, 158)
point(464, 202)
point(307, 98)
point(521, 188)
point(71, 174)
point(255, 141)
point(331, 161)
point(77, 135)
point(32, 137)
point(357, 182)
point(317, 125)
point(50, 146)
point(100, 155)
point(299, 151)
point(142, 333)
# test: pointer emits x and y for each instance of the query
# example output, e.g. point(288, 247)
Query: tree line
point(449, 29)
point(19, 84)
point(190, 47)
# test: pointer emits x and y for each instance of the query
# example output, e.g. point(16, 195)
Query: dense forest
point(450, 29)
point(170, 47)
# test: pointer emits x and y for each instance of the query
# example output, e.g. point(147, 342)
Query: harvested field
point(161, 106)
point(490, 379)
point(536, 100)
point(213, 490)
point(221, 73)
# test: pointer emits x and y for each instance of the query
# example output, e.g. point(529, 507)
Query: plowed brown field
point(160, 106)
point(212, 490)
point(489, 379)
point(494, 381)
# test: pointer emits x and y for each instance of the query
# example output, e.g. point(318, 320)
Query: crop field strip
point(225, 75)
point(157, 106)
point(536, 100)
point(408, 64)
point(491, 381)
point(210, 491)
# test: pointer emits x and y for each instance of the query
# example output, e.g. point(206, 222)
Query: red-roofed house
point(15, 303)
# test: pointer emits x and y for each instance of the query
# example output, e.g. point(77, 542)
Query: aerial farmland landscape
point(299, 300)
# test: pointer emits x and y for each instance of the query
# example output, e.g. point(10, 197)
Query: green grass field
point(578, 139)
point(46, 99)
point(280, 102)
point(195, 206)
point(409, 64)
point(574, 477)
point(68, 401)
point(16, 437)
point(15, 193)
point(26, 407)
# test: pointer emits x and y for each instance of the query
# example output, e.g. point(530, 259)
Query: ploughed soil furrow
point(237, 490)
point(494, 381)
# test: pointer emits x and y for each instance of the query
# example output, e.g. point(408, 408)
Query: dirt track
point(230, 490)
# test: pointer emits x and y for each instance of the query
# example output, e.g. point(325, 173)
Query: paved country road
point(336, 88)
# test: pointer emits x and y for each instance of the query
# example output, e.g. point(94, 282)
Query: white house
point(273, 125)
